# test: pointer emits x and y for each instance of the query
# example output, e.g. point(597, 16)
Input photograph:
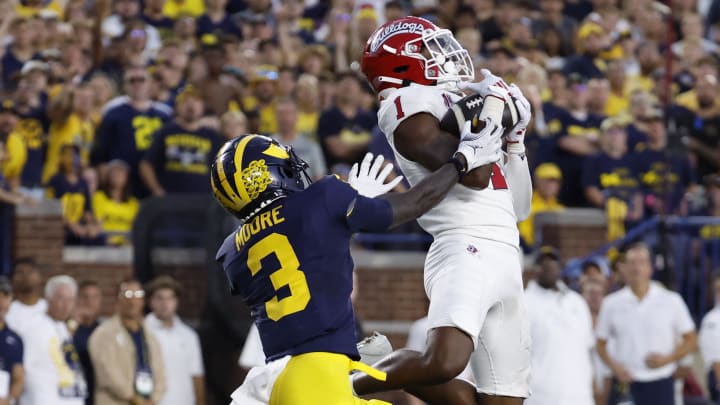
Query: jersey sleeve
point(358, 213)
point(408, 101)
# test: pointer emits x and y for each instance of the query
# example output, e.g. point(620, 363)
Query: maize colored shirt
point(291, 264)
point(182, 158)
point(74, 131)
point(116, 217)
point(537, 206)
point(14, 162)
point(176, 8)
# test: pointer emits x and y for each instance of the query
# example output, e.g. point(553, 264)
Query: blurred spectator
point(127, 358)
point(345, 129)
point(6, 195)
point(287, 134)
point(609, 179)
point(216, 19)
point(125, 11)
point(307, 97)
point(665, 175)
point(591, 39)
point(692, 31)
point(19, 51)
point(618, 101)
point(113, 204)
point(552, 17)
point(152, 14)
point(709, 341)
point(87, 319)
point(171, 63)
point(562, 334)
point(12, 373)
point(649, 60)
point(128, 125)
point(262, 101)
point(14, 160)
point(71, 189)
point(598, 95)
point(700, 117)
point(595, 269)
point(71, 120)
point(181, 152)
point(180, 345)
point(577, 133)
point(547, 186)
point(53, 374)
point(233, 124)
point(219, 89)
point(651, 328)
point(32, 126)
point(593, 291)
point(185, 32)
point(27, 286)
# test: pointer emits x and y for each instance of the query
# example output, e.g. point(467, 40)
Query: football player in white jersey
point(473, 268)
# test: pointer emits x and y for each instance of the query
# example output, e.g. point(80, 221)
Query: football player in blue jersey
point(290, 260)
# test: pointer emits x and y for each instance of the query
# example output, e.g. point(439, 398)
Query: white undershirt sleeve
point(518, 177)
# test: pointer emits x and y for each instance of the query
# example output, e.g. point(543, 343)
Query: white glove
point(367, 181)
point(483, 147)
point(516, 136)
point(490, 84)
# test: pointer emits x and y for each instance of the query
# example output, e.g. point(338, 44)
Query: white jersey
point(487, 213)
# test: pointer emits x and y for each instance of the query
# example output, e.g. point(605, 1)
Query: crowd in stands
point(57, 349)
point(107, 102)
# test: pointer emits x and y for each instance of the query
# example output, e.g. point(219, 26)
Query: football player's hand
point(490, 84)
point(480, 146)
point(517, 134)
point(369, 180)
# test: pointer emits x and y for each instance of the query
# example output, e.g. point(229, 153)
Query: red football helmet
point(414, 50)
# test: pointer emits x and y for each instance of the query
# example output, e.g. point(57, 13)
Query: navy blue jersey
point(614, 177)
point(11, 349)
point(292, 266)
point(33, 126)
point(75, 197)
point(663, 176)
point(355, 130)
point(207, 26)
point(182, 158)
point(571, 193)
point(126, 133)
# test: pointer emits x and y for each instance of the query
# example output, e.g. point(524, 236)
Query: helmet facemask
point(448, 61)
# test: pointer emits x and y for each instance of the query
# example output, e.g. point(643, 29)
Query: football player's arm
point(424, 195)
point(420, 139)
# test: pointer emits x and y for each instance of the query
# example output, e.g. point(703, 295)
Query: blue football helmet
point(252, 171)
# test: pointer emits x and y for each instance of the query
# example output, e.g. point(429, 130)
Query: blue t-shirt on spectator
point(126, 134)
point(571, 193)
point(614, 177)
point(11, 349)
point(355, 130)
point(182, 158)
point(663, 176)
point(583, 65)
point(227, 25)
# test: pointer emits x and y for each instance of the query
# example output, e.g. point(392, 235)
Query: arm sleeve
point(357, 212)
point(518, 177)
point(155, 154)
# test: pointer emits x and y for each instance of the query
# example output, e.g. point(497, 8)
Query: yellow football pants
point(320, 378)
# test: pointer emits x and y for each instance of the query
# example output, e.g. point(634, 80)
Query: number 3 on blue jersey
point(289, 274)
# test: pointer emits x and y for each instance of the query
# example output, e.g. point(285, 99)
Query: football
point(464, 109)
